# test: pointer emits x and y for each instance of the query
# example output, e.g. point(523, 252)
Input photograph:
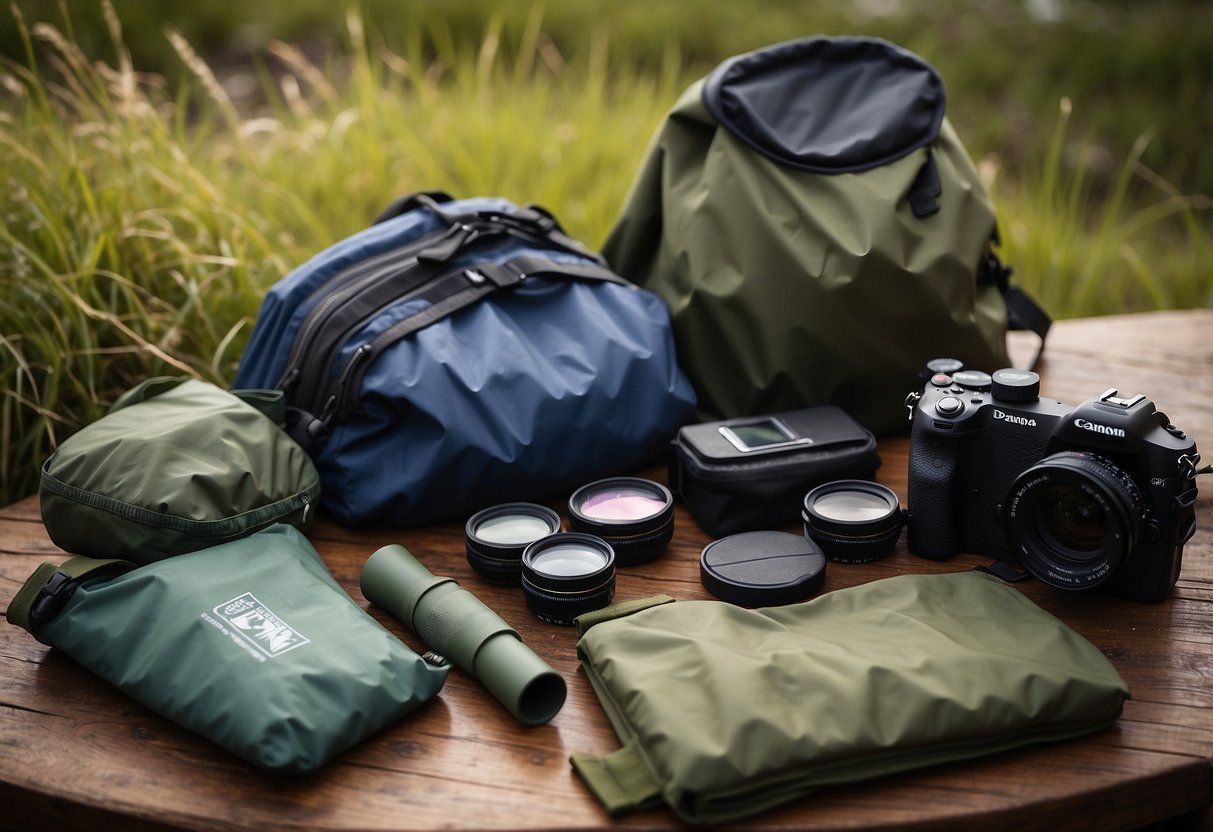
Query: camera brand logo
point(1104, 429)
point(257, 625)
point(1015, 420)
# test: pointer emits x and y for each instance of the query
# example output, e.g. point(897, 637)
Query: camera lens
point(567, 574)
point(634, 515)
point(853, 521)
point(496, 537)
point(1073, 518)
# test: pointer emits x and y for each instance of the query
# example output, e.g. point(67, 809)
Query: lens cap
point(762, 569)
point(854, 521)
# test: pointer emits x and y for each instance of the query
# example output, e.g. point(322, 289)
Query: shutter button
point(949, 406)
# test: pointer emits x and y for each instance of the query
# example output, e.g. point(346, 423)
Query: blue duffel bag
point(460, 353)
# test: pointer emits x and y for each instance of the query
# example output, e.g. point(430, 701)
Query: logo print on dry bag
point(258, 626)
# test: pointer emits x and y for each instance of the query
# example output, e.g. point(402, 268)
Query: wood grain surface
point(75, 753)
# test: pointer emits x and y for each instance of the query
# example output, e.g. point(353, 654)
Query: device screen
point(759, 434)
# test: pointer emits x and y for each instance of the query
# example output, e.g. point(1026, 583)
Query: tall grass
point(143, 224)
point(144, 220)
point(1086, 250)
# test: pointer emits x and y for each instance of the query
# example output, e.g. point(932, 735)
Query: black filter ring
point(860, 540)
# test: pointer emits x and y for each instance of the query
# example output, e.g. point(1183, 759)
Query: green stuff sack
point(176, 465)
point(251, 644)
point(724, 712)
point(819, 233)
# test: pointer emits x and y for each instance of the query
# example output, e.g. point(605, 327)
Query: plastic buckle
point(991, 270)
point(501, 275)
point(52, 598)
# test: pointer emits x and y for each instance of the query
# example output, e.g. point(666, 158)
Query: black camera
point(1099, 496)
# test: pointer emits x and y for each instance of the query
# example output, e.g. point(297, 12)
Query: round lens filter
point(567, 574)
point(496, 537)
point(854, 521)
point(634, 515)
point(762, 569)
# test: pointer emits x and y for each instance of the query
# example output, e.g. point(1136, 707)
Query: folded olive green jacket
point(724, 711)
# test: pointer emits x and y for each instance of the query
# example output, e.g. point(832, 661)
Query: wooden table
point(78, 754)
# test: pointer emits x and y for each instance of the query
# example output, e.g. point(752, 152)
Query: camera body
point(1098, 496)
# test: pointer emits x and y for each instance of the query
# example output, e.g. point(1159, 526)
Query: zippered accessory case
point(252, 644)
point(175, 466)
point(732, 485)
point(724, 712)
point(463, 353)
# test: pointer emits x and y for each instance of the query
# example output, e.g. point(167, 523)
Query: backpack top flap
point(829, 105)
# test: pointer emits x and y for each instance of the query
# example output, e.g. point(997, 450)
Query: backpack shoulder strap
point(1023, 313)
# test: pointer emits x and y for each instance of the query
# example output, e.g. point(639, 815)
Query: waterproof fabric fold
point(177, 465)
point(252, 645)
point(818, 231)
point(724, 712)
point(566, 374)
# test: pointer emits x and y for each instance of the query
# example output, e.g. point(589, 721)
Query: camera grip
point(457, 625)
point(933, 530)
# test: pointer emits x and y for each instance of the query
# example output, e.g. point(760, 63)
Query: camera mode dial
point(972, 379)
point(1012, 385)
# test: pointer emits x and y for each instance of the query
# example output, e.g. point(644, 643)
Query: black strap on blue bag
point(403, 204)
point(426, 274)
point(458, 291)
point(532, 221)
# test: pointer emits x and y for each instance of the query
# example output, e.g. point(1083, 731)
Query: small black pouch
point(746, 474)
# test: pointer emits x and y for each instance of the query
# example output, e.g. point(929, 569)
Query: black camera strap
point(1004, 571)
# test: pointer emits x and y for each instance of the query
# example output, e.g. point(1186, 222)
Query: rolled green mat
point(457, 625)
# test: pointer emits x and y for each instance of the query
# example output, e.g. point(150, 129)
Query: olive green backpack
point(819, 233)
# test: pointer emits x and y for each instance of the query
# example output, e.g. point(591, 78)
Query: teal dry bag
point(251, 644)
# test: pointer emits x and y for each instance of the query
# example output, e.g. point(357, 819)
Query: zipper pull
point(288, 379)
point(337, 404)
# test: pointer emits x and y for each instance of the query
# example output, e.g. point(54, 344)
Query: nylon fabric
point(829, 104)
point(176, 466)
point(734, 710)
point(529, 391)
point(789, 288)
point(251, 644)
point(284, 308)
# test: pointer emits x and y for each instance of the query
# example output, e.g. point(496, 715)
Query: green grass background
point(161, 164)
